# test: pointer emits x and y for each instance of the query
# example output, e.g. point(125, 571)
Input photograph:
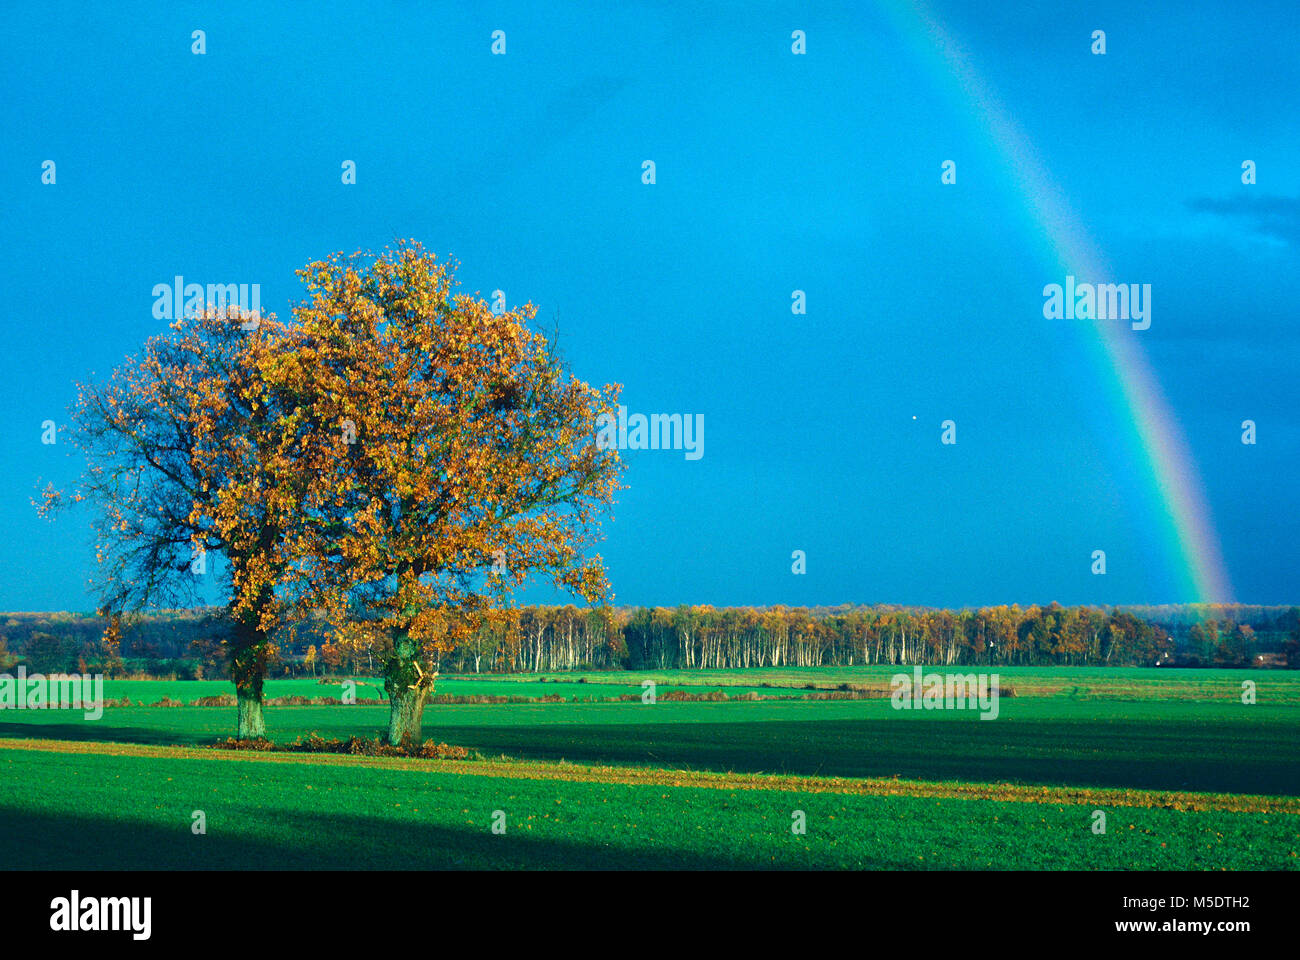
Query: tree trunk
point(251, 724)
point(248, 670)
point(408, 688)
point(406, 722)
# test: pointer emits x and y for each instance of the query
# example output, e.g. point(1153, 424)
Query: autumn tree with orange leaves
point(190, 454)
point(457, 454)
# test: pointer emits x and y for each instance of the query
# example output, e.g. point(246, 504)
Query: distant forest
point(193, 644)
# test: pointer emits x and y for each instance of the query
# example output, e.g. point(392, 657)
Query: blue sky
point(774, 172)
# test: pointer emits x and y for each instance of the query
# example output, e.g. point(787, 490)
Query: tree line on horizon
point(196, 644)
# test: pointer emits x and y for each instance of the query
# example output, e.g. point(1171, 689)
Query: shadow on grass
point(1222, 757)
point(93, 732)
point(163, 735)
point(41, 841)
point(1261, 758)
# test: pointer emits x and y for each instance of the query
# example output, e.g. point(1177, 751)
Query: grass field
point(1078, 683)
point(1187, 775)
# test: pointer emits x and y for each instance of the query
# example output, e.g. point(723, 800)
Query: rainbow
point(1155, 439)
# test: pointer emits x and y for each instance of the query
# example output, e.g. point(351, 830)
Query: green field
point(1079, 683)
point(1188, 776)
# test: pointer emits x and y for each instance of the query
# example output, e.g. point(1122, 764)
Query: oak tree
point(189, 456)
point(458, 456)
